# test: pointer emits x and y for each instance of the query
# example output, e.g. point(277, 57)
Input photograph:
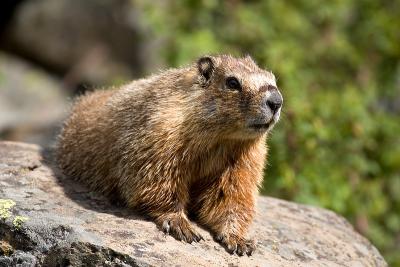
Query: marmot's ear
point(206, 67)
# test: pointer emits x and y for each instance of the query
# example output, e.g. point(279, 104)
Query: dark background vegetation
point(337, 63)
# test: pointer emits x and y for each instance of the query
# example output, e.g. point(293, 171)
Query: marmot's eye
point(233, 83)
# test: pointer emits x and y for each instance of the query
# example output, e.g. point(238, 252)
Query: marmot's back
point(111, 134)
point(84, 145)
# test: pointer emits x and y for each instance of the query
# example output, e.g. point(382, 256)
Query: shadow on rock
point(84, 196)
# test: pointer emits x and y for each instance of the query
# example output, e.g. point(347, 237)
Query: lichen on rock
point(18, 221)
point(5, 207)
point(5, 248)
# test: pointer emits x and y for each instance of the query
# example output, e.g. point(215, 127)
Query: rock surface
point(48, 220)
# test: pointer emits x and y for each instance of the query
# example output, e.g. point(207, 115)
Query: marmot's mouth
point(261, 126)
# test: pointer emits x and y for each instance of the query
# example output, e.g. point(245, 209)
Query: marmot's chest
point(211, 165)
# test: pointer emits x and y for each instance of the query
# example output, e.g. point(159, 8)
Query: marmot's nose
point(274, 101)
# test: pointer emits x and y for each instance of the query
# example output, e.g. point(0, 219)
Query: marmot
point(184, 142)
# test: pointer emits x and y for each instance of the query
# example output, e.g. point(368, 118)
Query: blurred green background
point(338, 66)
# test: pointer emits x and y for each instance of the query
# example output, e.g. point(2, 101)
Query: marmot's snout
point(272, 104)
point(270, 109)
point(273, 100)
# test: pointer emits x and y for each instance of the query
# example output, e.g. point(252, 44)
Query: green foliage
point(338, 66)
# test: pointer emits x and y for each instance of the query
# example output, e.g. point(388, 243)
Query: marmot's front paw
point(178, 227)
point(236, 244)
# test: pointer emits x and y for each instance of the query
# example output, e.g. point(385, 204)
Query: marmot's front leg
point(227, 207)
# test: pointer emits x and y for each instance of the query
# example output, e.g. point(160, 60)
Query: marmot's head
point(241, 98)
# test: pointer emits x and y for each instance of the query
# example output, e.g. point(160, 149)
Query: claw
point(249, 252)
point(199, 237)
point(231, 248)
point(219, 238)
point(166, 227)
point(251, 246)
point(240, 251)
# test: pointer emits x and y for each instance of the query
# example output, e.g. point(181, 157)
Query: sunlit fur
point(171, 146)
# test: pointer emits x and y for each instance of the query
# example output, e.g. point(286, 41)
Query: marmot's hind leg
point(165, 200)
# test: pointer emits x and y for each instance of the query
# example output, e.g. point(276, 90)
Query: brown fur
point(175, 143)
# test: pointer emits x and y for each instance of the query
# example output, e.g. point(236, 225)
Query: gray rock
point(32, 102)
point(66, 225)
point(91, 41)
